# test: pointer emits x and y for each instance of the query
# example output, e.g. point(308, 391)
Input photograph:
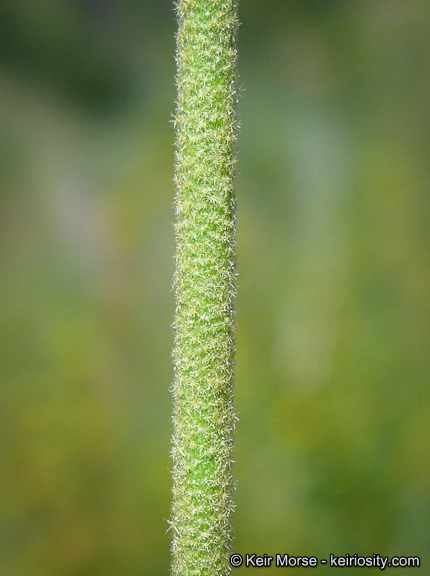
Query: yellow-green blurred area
point(333, 311)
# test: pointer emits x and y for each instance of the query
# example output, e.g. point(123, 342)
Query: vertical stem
point(203, 415)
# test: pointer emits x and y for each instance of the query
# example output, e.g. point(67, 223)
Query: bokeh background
point(333, 311)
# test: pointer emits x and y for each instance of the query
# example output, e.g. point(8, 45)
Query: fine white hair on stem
point(205, 287)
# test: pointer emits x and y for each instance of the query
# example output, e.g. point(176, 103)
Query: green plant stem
point(203, 417)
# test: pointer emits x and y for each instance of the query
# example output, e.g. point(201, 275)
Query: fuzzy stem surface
point(203, 415)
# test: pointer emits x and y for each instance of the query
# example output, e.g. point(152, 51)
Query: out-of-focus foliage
point(332, 452)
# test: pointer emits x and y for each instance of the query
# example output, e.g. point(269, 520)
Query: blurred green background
point(333, 311)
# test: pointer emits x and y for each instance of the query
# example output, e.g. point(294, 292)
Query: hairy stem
point(203, 415)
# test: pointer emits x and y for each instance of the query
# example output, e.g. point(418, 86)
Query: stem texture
point(203, 417)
